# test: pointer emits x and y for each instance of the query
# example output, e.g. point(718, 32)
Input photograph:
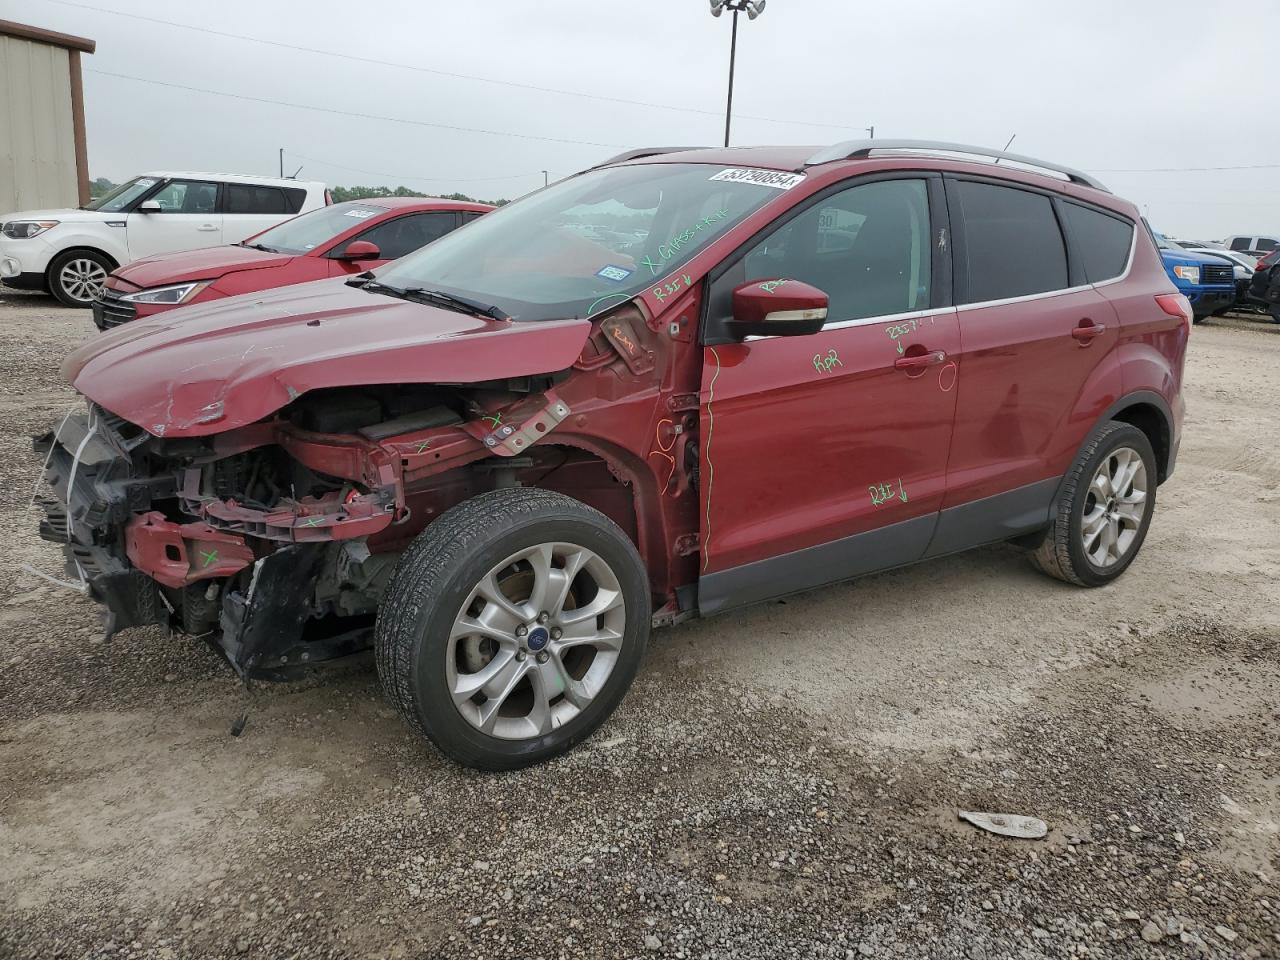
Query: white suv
point(70, 252)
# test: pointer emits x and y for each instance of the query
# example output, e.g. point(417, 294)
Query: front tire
point(512, 627)
point(1103, 510)
point(76, 276)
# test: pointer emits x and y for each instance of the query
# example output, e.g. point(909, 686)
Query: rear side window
point(1013, 245)
point(247, 198)
point(1102, 242)
point(294, 198)
point(1240, 243)
point(1265, 244)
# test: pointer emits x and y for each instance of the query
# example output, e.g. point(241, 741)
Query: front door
point(188, 219)
point(824, 457)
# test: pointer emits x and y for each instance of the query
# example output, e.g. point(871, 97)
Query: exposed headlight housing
point(179, 293)
point(26, 229)
point(1186, 272)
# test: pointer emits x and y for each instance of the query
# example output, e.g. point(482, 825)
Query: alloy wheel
point(82, 279)
point(1114, 507)
point(536, 641)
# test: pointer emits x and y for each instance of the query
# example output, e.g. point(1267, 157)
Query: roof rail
point(640, 153)
point(852, 149)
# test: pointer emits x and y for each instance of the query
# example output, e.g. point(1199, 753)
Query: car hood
point(1191, 257)
point(63, 216)
point(213, 367)
point(207, 264)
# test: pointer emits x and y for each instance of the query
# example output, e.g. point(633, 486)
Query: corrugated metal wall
point(37, 139)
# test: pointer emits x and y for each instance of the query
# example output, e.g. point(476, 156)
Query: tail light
point(1176, 305)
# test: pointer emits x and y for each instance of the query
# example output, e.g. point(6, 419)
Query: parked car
point(69, 253)
point(1265, 286)
point(1207, 281)
point(513, 451)
point(1254, 244)
point(334, 241)
point(1243, 267)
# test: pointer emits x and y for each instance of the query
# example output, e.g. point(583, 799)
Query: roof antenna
point(295, 174)
point(1006, 146)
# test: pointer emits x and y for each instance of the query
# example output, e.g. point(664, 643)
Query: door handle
point(919, 361)
point(1086, 330)
point(206, 227)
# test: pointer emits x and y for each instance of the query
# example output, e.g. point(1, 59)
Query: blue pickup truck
point(1207, 281)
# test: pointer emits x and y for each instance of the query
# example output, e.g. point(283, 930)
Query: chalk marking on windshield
point(591, 310)
point(673, 246)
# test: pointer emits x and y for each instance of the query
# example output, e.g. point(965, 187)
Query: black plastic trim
point(993, 519)
point(896, 545)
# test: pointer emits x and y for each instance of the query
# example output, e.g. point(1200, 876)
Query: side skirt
point(990, 520)
point(891, 546)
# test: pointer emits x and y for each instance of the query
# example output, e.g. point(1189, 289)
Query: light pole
point(753, 9)
point(545, 179)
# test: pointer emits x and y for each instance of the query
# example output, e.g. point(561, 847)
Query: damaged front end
point(274, 541)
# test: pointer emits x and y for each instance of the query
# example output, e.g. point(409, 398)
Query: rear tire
point(1103, 510)
point(512, 627)
point(76, 276)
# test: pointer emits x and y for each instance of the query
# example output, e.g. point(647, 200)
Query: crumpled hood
point(207, 264)
point(213, 367)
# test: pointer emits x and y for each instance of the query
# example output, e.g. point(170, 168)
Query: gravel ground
point(780, 783)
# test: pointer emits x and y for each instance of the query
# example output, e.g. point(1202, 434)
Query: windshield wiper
point(259, 246)
point(451, 301)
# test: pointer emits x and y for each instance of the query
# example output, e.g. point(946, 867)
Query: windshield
point(586, 244)
point(315, 228)
point(123, 195)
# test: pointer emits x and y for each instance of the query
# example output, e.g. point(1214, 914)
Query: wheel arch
point(78, 248)
point(1150, 413)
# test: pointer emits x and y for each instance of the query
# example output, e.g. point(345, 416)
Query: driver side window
point(867, 248)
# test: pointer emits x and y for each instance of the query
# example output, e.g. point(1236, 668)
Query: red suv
point(334, 241)
point(672, 385)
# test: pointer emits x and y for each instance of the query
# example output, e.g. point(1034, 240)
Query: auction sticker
point(778, 179)
point(360, 214)
point(616, 274)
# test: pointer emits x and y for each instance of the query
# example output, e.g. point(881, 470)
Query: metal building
point(43, 160)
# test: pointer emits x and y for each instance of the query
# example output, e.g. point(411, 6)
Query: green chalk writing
point(664, 290)
point(209, 558)
point(824, 364)
point(882, 493)
point(671, 249)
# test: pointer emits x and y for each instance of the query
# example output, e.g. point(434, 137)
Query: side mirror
point(360, 250)
point(150, 206)
point(777, 308)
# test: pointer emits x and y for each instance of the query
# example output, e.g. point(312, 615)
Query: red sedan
point(345, 238)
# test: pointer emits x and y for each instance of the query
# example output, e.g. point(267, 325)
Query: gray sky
point(1103, 85)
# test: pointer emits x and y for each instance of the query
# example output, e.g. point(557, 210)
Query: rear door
point(188, 219)
point(824, 456)
point(1038, 346)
